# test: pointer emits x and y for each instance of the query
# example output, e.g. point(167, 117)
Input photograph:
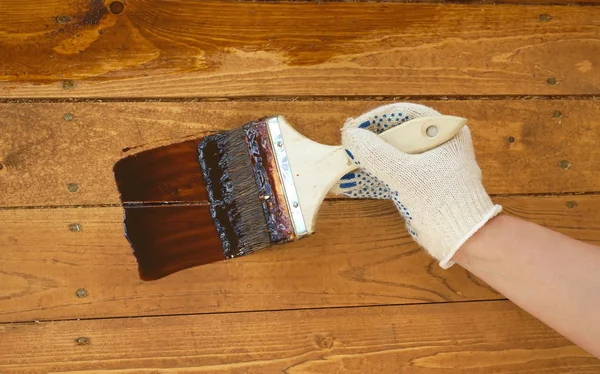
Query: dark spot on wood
point(82, 340)
point(94, 13)
point(1, 166)
point(324, 341)
point(544, 17)
point(68, 84)
point(15, 159)
point(511, 139)
point(116, 7)
point(127, 149)
point(556, 114)
point(62, 20)
point(571, 204)
point(564, 164)
point(551, 81)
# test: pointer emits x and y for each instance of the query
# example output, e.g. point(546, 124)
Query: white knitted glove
point(438, 192)
point(359, 184)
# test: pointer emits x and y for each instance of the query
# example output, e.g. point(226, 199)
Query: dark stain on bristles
point(239, 171)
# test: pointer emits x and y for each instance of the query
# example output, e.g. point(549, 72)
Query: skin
point(551, 276)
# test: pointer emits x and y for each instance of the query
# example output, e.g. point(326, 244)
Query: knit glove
point(360, 184)
point(439, 192)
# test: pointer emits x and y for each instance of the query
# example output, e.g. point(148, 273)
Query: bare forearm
point(552, 276)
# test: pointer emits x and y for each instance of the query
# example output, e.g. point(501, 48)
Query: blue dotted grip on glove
point(362, 184)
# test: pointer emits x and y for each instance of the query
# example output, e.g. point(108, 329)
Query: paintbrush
point(239, 191)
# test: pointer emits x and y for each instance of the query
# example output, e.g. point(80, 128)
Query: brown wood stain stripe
point(170, 48)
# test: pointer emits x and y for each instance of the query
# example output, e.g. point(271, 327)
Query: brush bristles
point(233, 193)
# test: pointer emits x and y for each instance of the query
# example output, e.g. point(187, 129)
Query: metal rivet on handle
point(295, 204)
point(279, 144)
point(432, 131)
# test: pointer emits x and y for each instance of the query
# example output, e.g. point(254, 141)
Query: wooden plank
point(174, 48)
point(42, 154)
point(45, 259)
point(482, 337)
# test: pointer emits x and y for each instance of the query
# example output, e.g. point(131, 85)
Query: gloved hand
point(439, 192)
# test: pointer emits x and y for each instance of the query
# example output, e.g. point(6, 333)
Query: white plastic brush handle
point(317, 167)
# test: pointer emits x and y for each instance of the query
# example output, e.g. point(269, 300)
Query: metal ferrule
point(286, 177)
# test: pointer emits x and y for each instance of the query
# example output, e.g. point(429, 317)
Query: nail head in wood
point(75, 227)
point(571, 204)
point(68, 84)
point(564, 164)
point(556, 114)
point(81, 293)
point(544, 17)
point(68, 117)
point(116, 7)
point(511, 139)
point(551, 81)
point(82, 340)
point(72, 187)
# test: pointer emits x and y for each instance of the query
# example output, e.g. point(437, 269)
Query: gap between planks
point(282, 98)
point(332, 198)
point(249, 311)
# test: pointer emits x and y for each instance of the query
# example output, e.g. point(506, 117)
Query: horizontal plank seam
point(283, 98)
point(471, 2)
point(202, 203)
point(256, 311)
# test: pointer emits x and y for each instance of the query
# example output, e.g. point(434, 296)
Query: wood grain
point(481, 337)
point(45, 259)
point(174, 48)
point(42, 154)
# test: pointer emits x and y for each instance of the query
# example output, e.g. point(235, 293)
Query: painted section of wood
point(49, 254)
point(173, 48)
point(482, 337)
point(546, 146)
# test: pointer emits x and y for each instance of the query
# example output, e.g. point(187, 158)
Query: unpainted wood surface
point(174, 48)
point(360, 255)
point(481, 337)
point(553, 150)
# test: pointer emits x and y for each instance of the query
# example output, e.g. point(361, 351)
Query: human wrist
point(475, 246)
